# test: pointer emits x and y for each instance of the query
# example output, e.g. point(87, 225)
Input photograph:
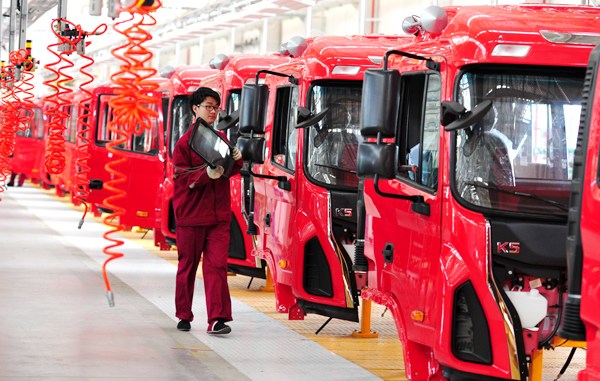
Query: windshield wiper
point(517, 193)
point(336, 168)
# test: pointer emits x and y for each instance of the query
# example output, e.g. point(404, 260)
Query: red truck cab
point(234, 71)
point(143, 166)
point(467, 171)
point(174, 92)
point(299, 133)
point(28, 158)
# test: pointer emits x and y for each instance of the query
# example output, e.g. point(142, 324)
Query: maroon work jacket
point(209, 201)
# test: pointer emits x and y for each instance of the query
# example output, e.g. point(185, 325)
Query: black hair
point(198, 96)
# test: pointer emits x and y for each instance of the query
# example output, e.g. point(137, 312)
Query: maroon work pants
point(212, 242)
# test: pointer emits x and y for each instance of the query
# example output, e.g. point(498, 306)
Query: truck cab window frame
point(518, 160)
point(285, 135)
point(420, 122)
point(331, 145)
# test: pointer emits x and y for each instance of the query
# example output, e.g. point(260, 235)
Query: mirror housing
point(253, 106)
point(252, 149)
point(376, 159)
point(226, 121)
point(307, 119)
point(463, 118)
point(380, 103)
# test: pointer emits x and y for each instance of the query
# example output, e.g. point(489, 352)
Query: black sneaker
point(218, 327)
point(184, 325)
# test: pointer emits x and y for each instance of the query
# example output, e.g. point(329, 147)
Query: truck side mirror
point(380, 103)
point(307, 119)
point(376, 159)
point(456, 117)
point(226, 121)
point(253, 106)
point(252, 148)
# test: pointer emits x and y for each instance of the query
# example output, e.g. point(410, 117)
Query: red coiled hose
point(131, 114)
point(11, 112)
point(67, 44)
point(82, 182)
point(22, 89)
point(7, 127)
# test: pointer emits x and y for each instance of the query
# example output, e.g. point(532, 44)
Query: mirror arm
point(290, 78)
point(414, 198)
point(429, 63)
point(259, 176)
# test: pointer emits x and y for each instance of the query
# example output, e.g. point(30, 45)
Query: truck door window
point(420, 117)
point(181, 120)
point(38, 120)
point(105, 116)
point(520, 156)
point(27, 121)
point(233, 104)
point(147, 140)
point(332, 144)
point(284, 133)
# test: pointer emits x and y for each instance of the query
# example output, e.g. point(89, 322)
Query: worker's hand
point(215, 173)
point(237, 155)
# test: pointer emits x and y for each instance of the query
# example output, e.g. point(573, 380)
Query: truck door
point(584, 229)
point(590, 230)
point(276, 214)
point(144, 171)
point(410, 233)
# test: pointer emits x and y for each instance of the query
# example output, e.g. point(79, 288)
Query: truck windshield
point(519, 158)
point(333, 142)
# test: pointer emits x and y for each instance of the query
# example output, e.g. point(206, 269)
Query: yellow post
point(536, 368)
point(365, 322)
point(268, 287)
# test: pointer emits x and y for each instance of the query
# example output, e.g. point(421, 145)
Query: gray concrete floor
point(55, 322)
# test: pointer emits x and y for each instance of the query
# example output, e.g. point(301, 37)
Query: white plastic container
point(531, 306)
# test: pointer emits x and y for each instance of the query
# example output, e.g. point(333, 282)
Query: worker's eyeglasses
point(210, 108)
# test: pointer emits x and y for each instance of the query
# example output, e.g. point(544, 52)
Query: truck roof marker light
point(346, 70)
point(571, 38)
point(167, 71)
point(510, 50)
point(375, 59)
point(219, 62)
point(434, 19)
point(295, 47)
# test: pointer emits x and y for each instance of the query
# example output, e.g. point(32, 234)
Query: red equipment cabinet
point(300, 128)
point(465, 224)
point(581, 320)
point(144, 168)
point(180, 83)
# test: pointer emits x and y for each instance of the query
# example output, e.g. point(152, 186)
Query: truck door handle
point(388, 253)
point(267, 220)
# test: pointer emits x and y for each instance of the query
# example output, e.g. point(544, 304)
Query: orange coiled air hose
point(68, 38)
point(132, 113)
point(82, 182)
